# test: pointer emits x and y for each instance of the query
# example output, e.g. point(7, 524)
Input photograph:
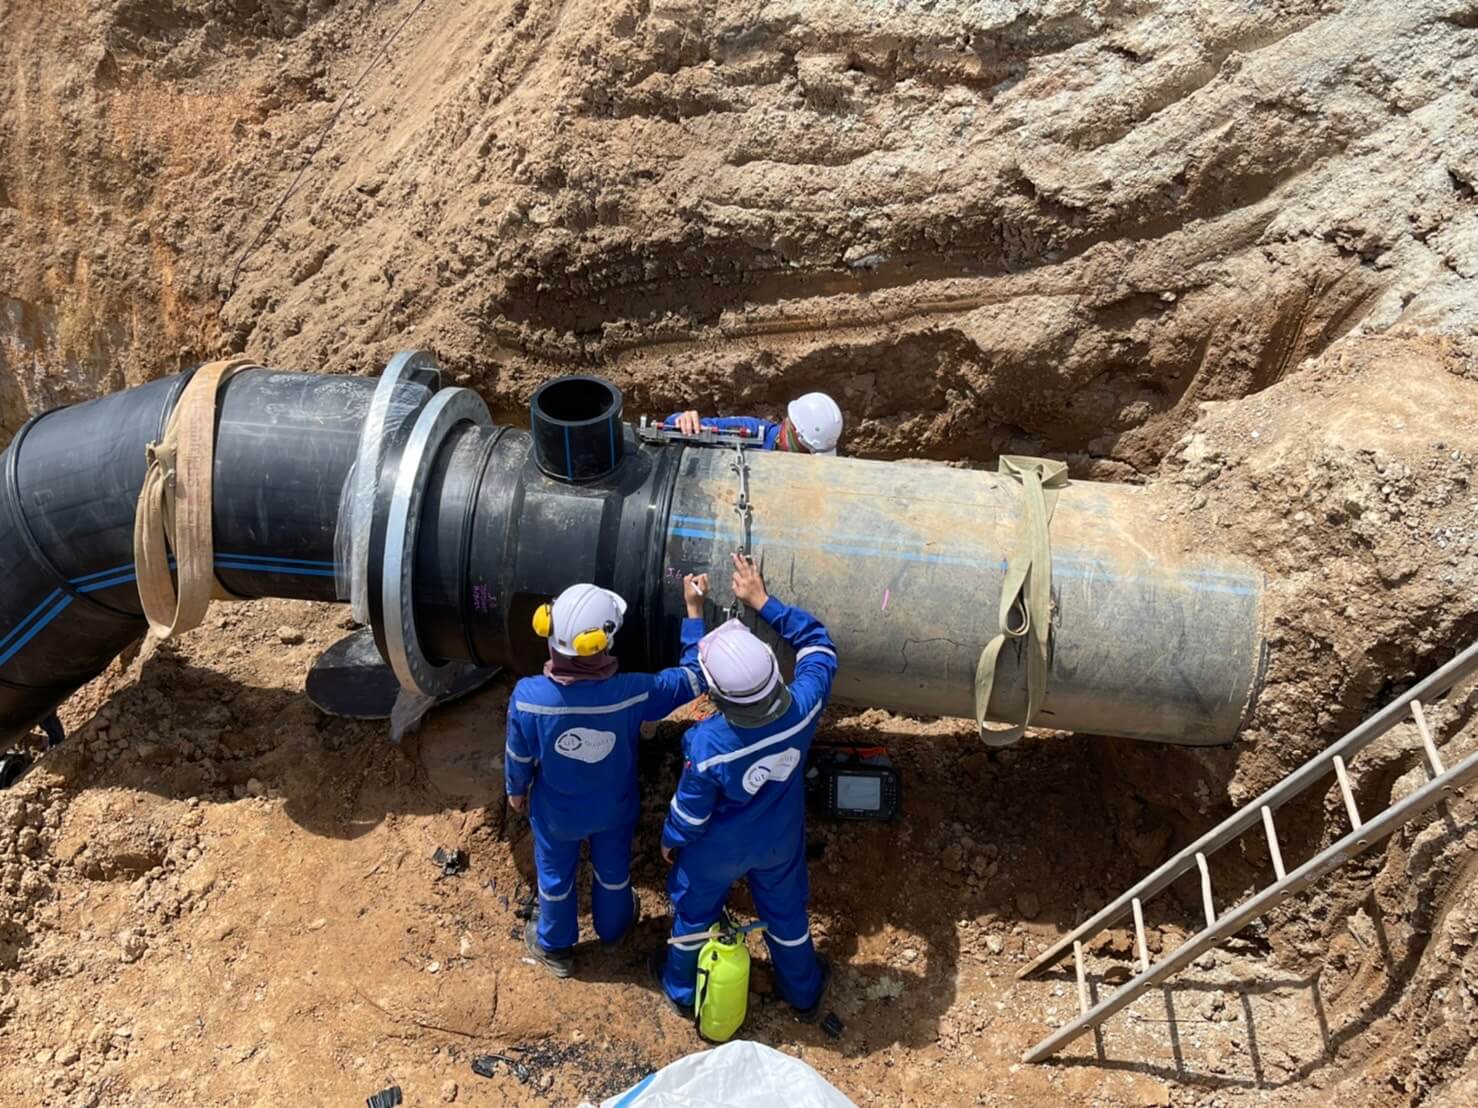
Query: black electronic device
point(854, 783)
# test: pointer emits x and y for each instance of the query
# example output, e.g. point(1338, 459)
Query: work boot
point(656, 964)
point(558, 962)
point(813, 1013)
point(620, 940)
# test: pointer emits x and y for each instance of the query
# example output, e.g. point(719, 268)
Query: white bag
point(739, 1074)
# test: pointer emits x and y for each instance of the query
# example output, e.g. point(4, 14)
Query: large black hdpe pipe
point(466, 528)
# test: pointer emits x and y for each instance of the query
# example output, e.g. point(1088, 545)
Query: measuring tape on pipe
point(1026, 595)
point(174, 508)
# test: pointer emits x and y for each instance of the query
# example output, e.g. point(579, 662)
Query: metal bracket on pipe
point(657, 434)
point(412, 667)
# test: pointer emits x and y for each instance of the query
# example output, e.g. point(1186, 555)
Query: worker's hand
point(669, 855)
point(689, 423)
point(519, 804)
point(749, 586)
point(695, 588)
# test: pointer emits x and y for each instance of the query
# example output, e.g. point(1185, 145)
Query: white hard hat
point(743, 676)
point(583, 620)
point(817, 420)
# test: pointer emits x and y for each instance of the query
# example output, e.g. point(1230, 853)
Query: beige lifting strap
point(1026, 594)
point(174, 508)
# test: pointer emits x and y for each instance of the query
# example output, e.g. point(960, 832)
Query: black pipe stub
point(576, 424)
point(413, 668)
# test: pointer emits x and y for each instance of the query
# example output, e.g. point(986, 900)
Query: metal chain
point(740, 466)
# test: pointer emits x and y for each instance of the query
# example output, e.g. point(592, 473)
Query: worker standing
point(571, 760)
point(812, 425)
point(739, 809)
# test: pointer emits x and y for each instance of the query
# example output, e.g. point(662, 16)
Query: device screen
point(859, 794)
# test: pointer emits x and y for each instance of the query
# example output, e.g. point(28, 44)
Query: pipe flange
point(412, 668)
point(409, 367)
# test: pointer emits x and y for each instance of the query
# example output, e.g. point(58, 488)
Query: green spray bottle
point(721, 993)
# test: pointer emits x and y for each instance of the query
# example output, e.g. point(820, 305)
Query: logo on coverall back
point(777, 766)
point(585, 745)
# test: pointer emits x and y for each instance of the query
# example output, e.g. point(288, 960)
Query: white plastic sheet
point(739, 1074)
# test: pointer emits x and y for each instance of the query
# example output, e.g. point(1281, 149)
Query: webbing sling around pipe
point(175, 505)
point(466, 535)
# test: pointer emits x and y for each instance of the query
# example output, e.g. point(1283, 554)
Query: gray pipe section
point(904, 563)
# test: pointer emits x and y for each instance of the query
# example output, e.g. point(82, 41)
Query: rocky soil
point(1229, 250)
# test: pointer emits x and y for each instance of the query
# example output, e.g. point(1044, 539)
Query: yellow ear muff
point(587, 643)
point(544, 620)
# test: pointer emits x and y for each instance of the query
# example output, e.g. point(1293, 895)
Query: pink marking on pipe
point(886, 593)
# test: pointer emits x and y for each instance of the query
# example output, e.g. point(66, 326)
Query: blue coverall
point(740, 810)
point(575, 747)
point(761, 431)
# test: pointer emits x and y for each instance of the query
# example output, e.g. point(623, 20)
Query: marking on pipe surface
point(482, 598)
point(886, 593)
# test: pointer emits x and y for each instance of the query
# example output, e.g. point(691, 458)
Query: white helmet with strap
point(743, 675)
point(817, 421)
point(582, 621)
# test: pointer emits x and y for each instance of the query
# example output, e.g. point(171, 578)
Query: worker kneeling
point(740, 809)
point(571, 761)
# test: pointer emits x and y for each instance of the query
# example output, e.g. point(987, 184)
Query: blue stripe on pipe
point(102, 573)
point(122, 575)
point(787, 537)
point(269, 558)
point(569, 461)
point(1205, 582)
point(264, 558)
point(108, 584)
point(288, 571)
point(29, 635)
point(16, 630)
point(229, 561)
point(612, 429)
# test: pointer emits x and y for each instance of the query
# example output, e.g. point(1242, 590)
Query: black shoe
point(656, 964)
point(617, 943)
point(813, 1013)
point(558, 962)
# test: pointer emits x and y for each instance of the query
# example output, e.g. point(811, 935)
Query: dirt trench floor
point(235, 903)
point(227, 898)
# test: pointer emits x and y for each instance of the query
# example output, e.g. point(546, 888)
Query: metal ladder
point(1364, 833)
